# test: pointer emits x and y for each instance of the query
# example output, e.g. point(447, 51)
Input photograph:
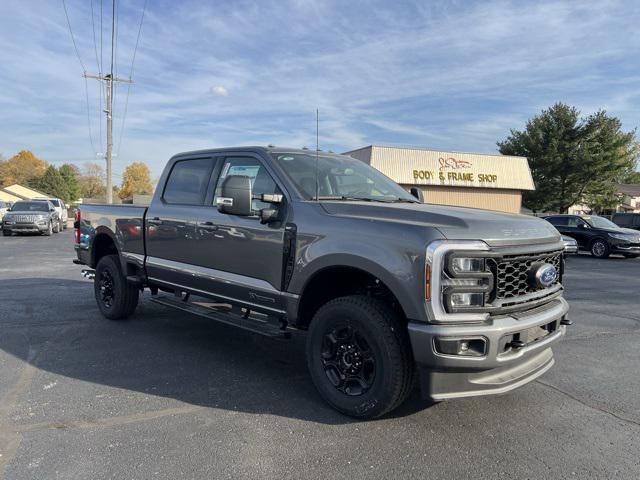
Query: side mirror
point(52, 209)
point(417, 192)
point(235, 197)
point(582, 226)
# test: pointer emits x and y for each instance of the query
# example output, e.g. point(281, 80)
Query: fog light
point(467, 347)
point(460, 299)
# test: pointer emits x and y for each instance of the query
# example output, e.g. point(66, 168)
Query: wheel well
point(103, 245)
point(341, 281)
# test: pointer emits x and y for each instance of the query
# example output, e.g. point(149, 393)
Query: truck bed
point(124, 224)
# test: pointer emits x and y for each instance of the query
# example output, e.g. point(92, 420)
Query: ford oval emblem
point(546, 275)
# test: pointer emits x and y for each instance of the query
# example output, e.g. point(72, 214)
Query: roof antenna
point(317, 151)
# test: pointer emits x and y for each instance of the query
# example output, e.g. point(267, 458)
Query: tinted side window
point(261, 180)
point(557, 221)
point(188, 181)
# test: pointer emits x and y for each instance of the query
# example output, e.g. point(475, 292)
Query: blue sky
point(451, 75)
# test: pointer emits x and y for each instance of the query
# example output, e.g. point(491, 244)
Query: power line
point(95, 46)
point(66, 14)
point(86, 91)
point(133, 61)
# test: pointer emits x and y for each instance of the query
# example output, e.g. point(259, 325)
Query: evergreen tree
point(52, 183)
point(570, 157)
point(70, 175)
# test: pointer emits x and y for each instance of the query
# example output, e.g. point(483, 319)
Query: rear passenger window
point(188, 181)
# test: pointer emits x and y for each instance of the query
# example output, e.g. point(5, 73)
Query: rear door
point(171, 241)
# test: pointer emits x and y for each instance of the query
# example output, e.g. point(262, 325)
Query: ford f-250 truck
point(388, 289)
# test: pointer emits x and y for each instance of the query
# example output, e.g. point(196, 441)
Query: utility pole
point(108, 79)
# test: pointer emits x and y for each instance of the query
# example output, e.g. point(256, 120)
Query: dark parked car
point(33, 216)
point(627, 220)
point(598, 235)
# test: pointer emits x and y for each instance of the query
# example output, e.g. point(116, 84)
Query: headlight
point(466, 265)
point(622, 236)
point(457, 281)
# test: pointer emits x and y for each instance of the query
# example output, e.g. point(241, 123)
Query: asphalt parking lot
point(170, 395)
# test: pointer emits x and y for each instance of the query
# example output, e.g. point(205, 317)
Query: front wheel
point(359, 356)
point(116, 298)
point(49, 231)
point(600, 249)
point(6, 233)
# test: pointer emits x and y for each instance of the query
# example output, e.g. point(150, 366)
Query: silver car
point(570, 245)
point(31, 216)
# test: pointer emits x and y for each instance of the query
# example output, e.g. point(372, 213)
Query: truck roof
point(253, 148)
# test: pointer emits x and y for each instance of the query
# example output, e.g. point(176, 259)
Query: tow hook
point(566, 321)
point(518, 344)
point(88, 274)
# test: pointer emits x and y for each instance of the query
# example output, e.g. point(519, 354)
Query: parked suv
point(31, 216)
point(61, 208)
point(627, 220)
point(598, 235)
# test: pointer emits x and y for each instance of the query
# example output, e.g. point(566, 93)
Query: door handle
point(154, 221)
point(207, 226)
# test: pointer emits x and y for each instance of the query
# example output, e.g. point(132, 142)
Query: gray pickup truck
point(389, 290)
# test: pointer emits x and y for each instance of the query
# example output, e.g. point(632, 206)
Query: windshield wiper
point(350, 198)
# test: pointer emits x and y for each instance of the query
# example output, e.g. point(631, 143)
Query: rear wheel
point(600, 249)
point(116, 298)
point(359, 356)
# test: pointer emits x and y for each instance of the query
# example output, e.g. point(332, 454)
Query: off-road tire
point(388, 342)
point(600, 248)
point(124, 295)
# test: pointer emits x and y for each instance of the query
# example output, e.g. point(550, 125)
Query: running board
point(225, 313)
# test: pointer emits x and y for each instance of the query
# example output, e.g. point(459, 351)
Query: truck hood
point(455, 223)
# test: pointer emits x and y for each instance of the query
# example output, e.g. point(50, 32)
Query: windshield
point(30, 207)
point(339, 178)
point(600, 222)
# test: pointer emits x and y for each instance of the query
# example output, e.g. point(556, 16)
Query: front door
point(241, 258)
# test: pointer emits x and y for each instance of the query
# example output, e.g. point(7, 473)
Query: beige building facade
point(492, 182)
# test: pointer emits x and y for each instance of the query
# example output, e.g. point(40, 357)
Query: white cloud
point(219, 90)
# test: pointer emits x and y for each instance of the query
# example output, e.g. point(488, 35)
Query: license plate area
point(528, 336)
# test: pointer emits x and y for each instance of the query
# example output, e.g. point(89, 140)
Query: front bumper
point(501, 368)
point(25, 227)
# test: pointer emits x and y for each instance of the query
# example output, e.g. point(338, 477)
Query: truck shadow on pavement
point(55, 325)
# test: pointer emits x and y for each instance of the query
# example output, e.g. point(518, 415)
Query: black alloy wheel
point(348, 361)
point(105, 286)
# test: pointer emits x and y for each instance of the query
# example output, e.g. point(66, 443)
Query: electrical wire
point(95, 46)
point(86, 91)
point(73, 40)
point(133, 61)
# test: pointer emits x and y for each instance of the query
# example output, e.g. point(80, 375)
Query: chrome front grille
point(24, 218)
point(512, 273)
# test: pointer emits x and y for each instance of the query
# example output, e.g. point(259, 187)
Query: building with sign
point(493, 182)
